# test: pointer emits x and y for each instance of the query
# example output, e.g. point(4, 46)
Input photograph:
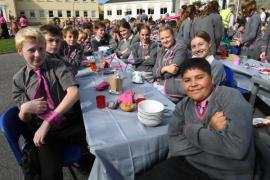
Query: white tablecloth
point(122, 145)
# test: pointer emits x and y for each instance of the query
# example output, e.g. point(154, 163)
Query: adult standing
point(4, 28)
point(228, 18)
point(23, 22)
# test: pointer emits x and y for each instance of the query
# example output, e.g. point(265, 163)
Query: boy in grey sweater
point(210, 133)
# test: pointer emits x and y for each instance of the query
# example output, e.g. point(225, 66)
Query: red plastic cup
point(138, 101)
point(101, 102)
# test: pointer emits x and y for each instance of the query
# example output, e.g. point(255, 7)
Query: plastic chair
point(230, 82)
point(13, 128)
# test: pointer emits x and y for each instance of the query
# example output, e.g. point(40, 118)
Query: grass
point(7, 45)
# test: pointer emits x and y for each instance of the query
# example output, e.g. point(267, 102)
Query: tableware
point(101, 101)
point(151, 107)
point(243, 59)
point(137, 101)
point(137, 77)
point(148, 122)
point(258, 122)
point(151, 117)
point(264, 70)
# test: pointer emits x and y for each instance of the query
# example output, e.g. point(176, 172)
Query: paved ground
point(9, 170)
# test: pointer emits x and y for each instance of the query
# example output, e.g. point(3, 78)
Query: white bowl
point(151, 114)
point(151, 107)
point(148, 122)
point(152, 117)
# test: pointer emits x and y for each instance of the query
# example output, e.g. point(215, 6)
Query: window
point(77, 13)
point(59, 12)
point(140, 11)
point(163, 10)
point(150, 10)
point(109, 12)
point(22, 13)
point(119, 12)
point(128, 12)
point(68, 13)
point(32, 14)
point(41, 13)
point(50, 13)
point(93, 13)
point(85, 14)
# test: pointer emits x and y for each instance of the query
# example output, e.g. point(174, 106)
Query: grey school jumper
point(211, 24)
point(217, 70)
point(251, 38)
point(227, 154)
point(184, 32)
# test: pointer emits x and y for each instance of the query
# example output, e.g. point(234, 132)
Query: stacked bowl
point(150, 112)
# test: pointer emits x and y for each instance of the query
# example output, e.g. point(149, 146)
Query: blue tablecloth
point(122, 145)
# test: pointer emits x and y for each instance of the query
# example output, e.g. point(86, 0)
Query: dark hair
point(71, 30)
point(195, 63)
point(51, 29)
point(248, 8)
point(124, 24)
point(99, 25)
point(143, 26)
point(201, 34)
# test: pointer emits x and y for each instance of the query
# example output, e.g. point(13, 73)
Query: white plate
point(149, 122)
point(153, 118)
point(260, 121)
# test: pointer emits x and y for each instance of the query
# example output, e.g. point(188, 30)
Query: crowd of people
point(210, 133)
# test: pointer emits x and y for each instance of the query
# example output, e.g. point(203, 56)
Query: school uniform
point(265, 46)
point(72, 55)
point(184, 32)
point(126, 44)
point(217, 70)
point(59, 78)
point(144, 58)
point(251, 38)
point(106, 41)
point(177, 54)
point(212, 24)
point(209, 154)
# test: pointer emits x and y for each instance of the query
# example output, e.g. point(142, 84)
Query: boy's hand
point(172, 68)
point(41, 133)
point(218, 121)
point(36, 106)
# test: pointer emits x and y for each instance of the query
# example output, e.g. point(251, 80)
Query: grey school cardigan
point(226, 154)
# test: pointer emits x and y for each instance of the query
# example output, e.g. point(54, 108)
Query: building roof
point(119, 1)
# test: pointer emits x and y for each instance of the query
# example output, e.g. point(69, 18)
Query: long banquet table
point(244, 71)
point(121, 144)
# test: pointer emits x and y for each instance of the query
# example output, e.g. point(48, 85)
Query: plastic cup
point(101, 101)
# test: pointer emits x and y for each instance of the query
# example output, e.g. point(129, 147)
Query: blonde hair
point(28, 34)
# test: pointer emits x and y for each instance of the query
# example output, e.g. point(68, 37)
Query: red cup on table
point(138, 100)
point(101, 101)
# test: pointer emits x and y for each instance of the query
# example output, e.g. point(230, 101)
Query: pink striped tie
point(202, 105)
point(43, 88)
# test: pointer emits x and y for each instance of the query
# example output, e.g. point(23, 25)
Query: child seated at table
point(70, 50)
point(210, 133)
point(102, 38)
point(46, 93)
point(145, 53)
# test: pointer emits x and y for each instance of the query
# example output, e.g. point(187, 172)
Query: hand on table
point(41, 133)
point(263, 56)
point(218, 121)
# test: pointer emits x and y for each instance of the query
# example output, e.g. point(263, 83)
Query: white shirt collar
point(210, 59)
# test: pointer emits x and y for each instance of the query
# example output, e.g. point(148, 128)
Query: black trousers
point(175, 168)
point(51, 153)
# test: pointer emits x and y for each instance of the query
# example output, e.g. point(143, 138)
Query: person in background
point(4, 28)
point(263, 16)
point(88, 29)
point(128, 39)
point(168, 63)
point(81, 38)
point(13, 25)
point(251, 39)
point(23, 22)
point(210, 134)
point(145, 53)
point(102, 38)
point(228, 18)
point(200, 46)
point(70, 50)
point(53, 37)
point(49, 113)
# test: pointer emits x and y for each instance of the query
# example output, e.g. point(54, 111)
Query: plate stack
point(150, 112)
